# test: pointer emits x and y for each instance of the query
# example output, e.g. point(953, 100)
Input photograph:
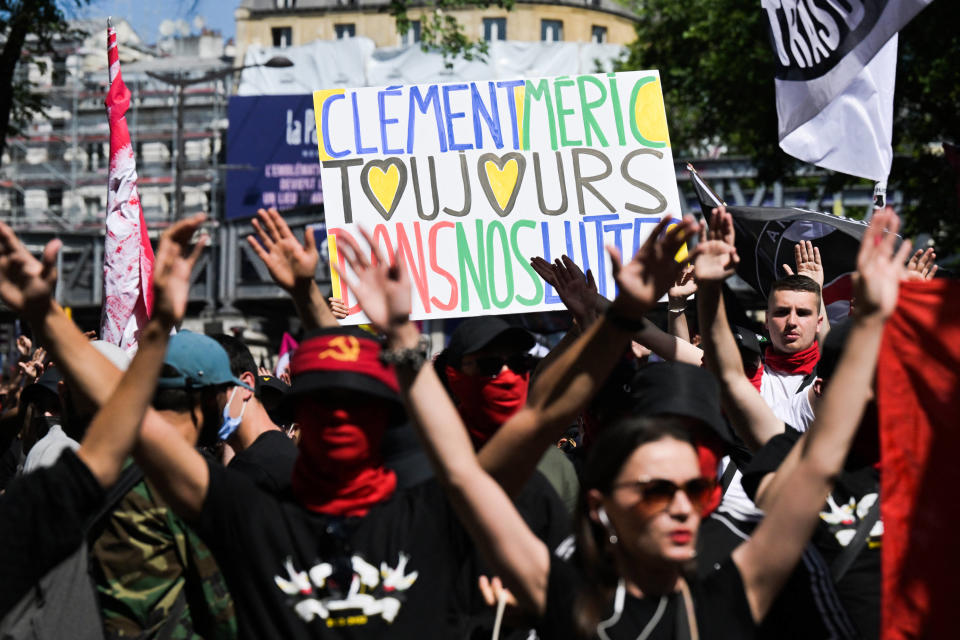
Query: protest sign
point(470, 180)
point(271, 171)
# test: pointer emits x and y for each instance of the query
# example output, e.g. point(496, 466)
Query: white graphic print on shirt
point(372, 592)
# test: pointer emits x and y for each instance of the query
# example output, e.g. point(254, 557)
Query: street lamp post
point(181, 83)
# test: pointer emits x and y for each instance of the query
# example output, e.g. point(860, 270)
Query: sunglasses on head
point(656, 494)
point(492, 365)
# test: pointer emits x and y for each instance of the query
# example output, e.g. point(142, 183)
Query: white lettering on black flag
point(836, 66)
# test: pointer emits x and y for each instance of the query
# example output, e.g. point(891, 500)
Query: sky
point(147, 15)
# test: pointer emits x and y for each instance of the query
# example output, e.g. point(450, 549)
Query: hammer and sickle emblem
point(342, 348)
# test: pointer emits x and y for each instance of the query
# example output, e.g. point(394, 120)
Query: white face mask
point(229, 425)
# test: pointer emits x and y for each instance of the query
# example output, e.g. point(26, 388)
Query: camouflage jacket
point(157, 579)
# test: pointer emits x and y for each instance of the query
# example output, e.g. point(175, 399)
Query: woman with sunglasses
point(643, 489)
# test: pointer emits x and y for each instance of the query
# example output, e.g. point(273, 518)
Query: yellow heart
point(502, 181)
point(384, 184)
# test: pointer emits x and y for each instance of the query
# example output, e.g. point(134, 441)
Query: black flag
point(766, 237)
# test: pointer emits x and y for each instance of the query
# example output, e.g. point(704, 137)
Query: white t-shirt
point(47, 450)
point(779, 390)
point(735, 501)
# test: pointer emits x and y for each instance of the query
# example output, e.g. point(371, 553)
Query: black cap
point(474, 334)
point(747, 340)
point(680, 389)
point(45, 388)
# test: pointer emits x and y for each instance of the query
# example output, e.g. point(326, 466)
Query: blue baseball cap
point(199, 361)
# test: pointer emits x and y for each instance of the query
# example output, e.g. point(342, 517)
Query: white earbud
point(605, 521)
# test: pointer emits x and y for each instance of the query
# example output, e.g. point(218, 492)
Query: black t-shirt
point(297, 574)
point(719, 601)
point(855, 491)
point(268, 461)
point(42, 515)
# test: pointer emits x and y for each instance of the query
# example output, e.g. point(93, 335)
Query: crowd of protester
point(698, 481)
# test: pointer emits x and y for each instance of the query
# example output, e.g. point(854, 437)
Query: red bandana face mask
point(485, 403)
point(799, 363)
point(339, 470)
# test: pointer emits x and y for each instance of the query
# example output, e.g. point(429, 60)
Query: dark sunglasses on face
point(656, 494)
point(492, 365)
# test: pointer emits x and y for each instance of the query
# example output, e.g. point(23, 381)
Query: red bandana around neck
point(339, 470)
point(799, 363)
point(486, 403)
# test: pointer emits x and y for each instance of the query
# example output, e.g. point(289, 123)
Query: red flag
point(918, 384)
point(287, 346)
point(128, 256)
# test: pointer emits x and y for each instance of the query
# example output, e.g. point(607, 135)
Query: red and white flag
point(127, 256)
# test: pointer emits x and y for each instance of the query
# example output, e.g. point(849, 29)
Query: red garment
point(340, 470)
point(918, 385)
point(799, 363)
point(756, 378)
point(485, 403)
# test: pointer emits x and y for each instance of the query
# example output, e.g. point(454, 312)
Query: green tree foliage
point(439, 28)
point(27, 28)
point(717, 67)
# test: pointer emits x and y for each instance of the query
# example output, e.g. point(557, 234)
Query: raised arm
point(677, 296)
point(292, 266)
point(113, 431)
point(766, 560)
point(749, 414)
point(484, 509)
point(807, 258)
point(565, 387)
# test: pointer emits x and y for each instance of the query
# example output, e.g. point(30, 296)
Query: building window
point(285, 4)
point(412, 36)
point(494, 29)
point(55, 200)
point(59, 77)
point(282, 36)
point(93, 207)
point(551, 30)
point(598, 34)
point(345, 30)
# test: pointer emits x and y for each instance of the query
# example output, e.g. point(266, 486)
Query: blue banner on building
point(276, 138)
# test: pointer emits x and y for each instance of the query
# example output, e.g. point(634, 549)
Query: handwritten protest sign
point(470, 180)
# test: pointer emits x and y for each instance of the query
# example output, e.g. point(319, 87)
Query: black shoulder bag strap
point(808, 379)
point(842, 563)
point(727, 476)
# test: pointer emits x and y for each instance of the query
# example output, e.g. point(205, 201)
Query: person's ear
point(818, 387)
point(249, 378)
point(595, 505)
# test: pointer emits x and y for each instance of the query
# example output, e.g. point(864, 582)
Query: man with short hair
point(263, 451)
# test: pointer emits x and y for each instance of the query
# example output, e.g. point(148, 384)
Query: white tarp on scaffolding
point(355, 62)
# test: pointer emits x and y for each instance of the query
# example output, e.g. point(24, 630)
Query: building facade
point(283, 23)
point(55, 174)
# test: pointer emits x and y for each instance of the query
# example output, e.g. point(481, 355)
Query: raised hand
point(577, 291)
point(174, 261)
point(879, 269)
point(338, 308)
point(685, 286)
point(545, 270)
point(921, 265)
point(715, 258)
point(26, 284)
point(24, 346)
point(289, 262)
point(381, 288)
point(653, 270)
point(808, 262)
point(33, 368)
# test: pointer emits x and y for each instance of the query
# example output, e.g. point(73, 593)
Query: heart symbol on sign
point(500, 177)
point(384, 181)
